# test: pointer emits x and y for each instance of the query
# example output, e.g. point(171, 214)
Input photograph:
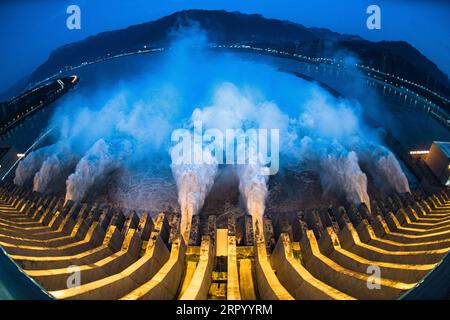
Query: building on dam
point(438, 160)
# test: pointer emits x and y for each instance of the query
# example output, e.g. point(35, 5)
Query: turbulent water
point(383, 166)
point(153, 194)
point(253, 188)
point(30, 165)
point(339, 169)
point(54, 170)
point(390, 171)
point(101, 159)
point(126, 126)
point(342, 173)
point(194, 181)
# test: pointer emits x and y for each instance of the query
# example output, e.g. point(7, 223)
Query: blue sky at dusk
point(31, 29)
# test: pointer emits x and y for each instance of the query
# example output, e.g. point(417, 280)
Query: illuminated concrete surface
point(136, 257)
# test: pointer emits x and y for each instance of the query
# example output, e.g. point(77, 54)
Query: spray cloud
point(384, 167)
point(102, 158)
point(194, 181)
point(245, 109)
point(54, 169)
point(144, 109)
point(30, 165)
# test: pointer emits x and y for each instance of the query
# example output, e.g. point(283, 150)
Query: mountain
point(231, 27)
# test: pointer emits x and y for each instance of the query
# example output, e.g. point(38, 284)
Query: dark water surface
point(15, 285)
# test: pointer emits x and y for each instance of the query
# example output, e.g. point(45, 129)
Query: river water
point(413, 128)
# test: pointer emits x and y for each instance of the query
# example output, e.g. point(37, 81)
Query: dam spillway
point(89, 247)
point(315, 255)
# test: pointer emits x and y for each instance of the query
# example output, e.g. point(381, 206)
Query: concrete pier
point(325, 253)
